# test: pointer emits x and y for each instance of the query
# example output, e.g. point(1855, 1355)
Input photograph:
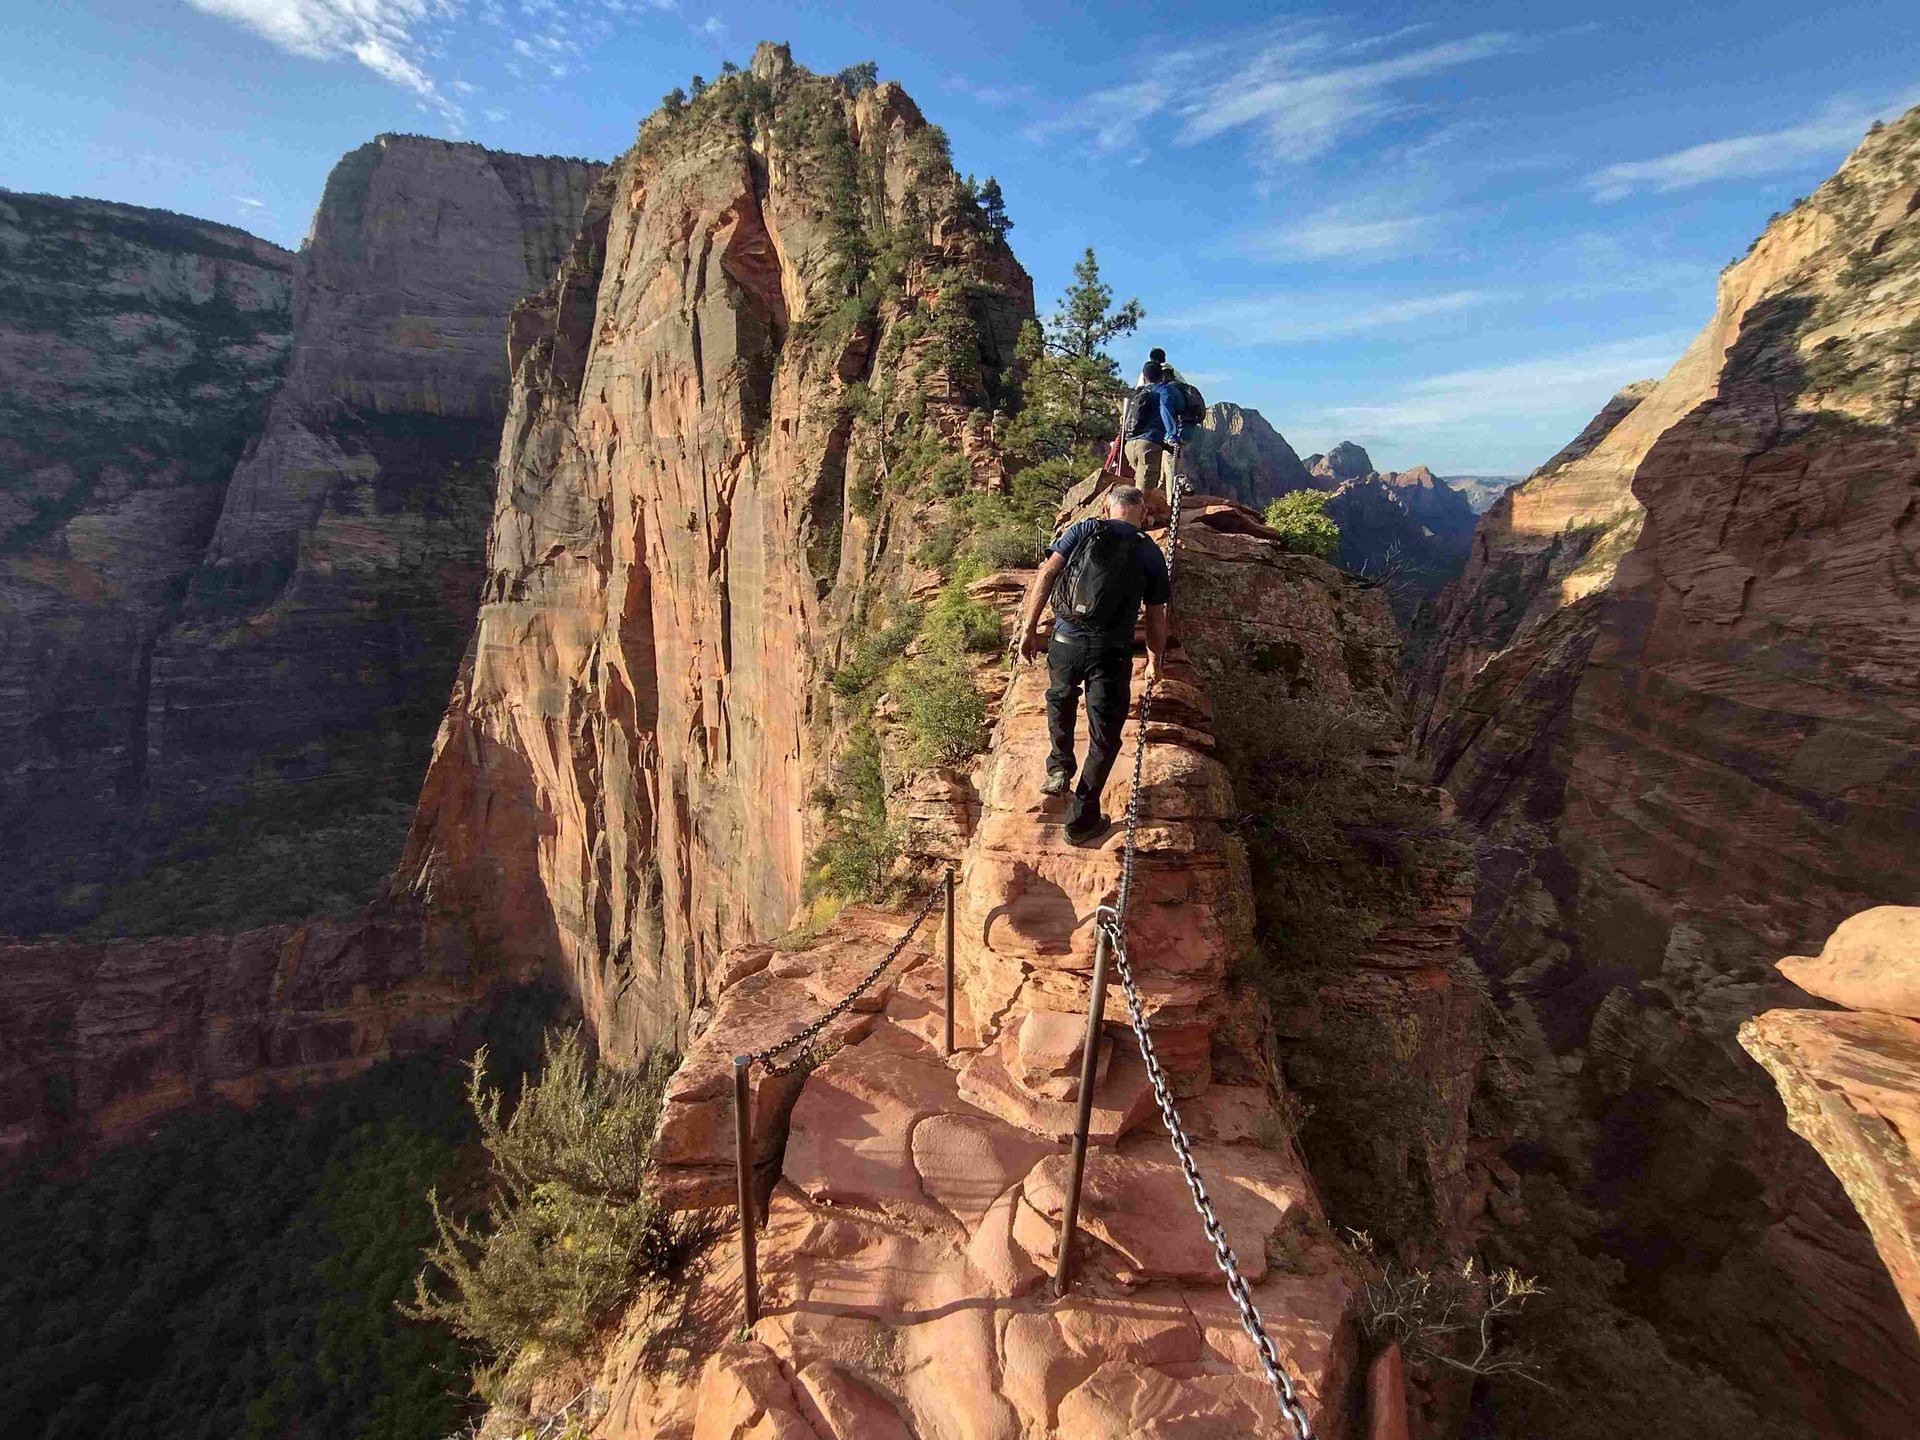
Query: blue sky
point(1446, 232)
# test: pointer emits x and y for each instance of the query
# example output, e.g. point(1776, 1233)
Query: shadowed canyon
point(581, 592)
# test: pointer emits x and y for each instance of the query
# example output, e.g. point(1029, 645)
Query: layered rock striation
point(138, 350)
point(1850, 1079)
point(738, 412)
point(1674, 690)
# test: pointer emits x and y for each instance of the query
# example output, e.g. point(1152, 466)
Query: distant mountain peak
point(1345, 461)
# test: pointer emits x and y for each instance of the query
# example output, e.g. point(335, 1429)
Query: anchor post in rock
point(1089, 1065)
point(743, 1164)
point(946, 943)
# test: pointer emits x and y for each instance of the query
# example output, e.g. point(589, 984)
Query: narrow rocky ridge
point(913, 1201)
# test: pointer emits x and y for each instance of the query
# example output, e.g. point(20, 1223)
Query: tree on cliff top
point(1073, 385)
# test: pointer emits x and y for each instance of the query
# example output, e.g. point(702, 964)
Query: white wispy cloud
point(1300, 89)
point(1476, 397)
point(1765, 152)
point(1265, 320)
point(712, 28)
point(1337, 235)
point(386, 36)
point(248, 202)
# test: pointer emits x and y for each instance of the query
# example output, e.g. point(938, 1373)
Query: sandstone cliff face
point(1239, 456)
point(1851, 1082)
point(137, 350)
point(322, 629)
point(104, 1038)
point(262, 649)
point(704, 478)
point(1674, 687)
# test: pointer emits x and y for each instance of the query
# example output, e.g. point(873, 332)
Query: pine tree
point(674, 101)
point(993, 205)
point(697, 87)
point(1072, 389)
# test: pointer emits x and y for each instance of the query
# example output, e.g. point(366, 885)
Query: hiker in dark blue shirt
point(1111, 568)
point(1157, 420)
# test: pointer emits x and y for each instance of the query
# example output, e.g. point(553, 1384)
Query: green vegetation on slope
point(572, 1232)
point(237, 1274)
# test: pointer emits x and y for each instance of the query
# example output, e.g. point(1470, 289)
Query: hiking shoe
point(1055, 783)
point(1093, 827)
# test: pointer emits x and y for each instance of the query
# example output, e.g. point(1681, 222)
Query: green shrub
point(573, 1231)
point(1304, 528)
point(958, 624)
point(860, 843)
point(943, 710)
point(1007, 547)
point(875, 652)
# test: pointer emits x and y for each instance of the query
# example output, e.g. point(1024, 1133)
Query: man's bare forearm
point(1156, 635)
point(1038, 589)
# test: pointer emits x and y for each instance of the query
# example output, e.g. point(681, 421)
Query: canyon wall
point(252, 657)
point(1238, 455)
point(137, 352)
point(714, 465)
point(1674, 690)
point(320, 634)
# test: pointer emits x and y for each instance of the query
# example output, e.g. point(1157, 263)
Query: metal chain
point(1176, 487)
point(1283, 1390)
point(1113, 919)
point(804, 1036)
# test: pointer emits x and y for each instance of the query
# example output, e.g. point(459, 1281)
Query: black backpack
point(1102, 586)
point(1193, 407)
point(1194, 411)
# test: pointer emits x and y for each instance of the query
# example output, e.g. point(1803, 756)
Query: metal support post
point(743, 1163)
point(947, 950)
point(1089, 1065)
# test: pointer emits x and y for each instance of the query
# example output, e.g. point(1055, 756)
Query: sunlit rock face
point(691, 508)
point(1851, 1079)
point(1675, 690)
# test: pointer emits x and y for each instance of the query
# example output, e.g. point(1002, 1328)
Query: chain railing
point(800, 1043)
point(1110, 944)
point(1110, 949)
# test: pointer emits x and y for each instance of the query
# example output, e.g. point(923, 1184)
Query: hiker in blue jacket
point(1157, 419)
point(1111, 568)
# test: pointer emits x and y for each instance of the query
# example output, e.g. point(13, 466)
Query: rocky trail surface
point(913, 1201)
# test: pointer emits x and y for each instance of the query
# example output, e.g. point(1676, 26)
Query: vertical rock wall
point(1675, 689)
point(137, 352)
point(622, 782)
point(321, 632)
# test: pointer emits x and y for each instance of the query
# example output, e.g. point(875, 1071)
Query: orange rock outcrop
point(1851, 1079)
point(685, 524)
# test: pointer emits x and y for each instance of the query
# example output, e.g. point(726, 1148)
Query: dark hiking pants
point(1104, 669)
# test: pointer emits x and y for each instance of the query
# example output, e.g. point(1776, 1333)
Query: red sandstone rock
point(1872, 962)
point(1675, 689)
